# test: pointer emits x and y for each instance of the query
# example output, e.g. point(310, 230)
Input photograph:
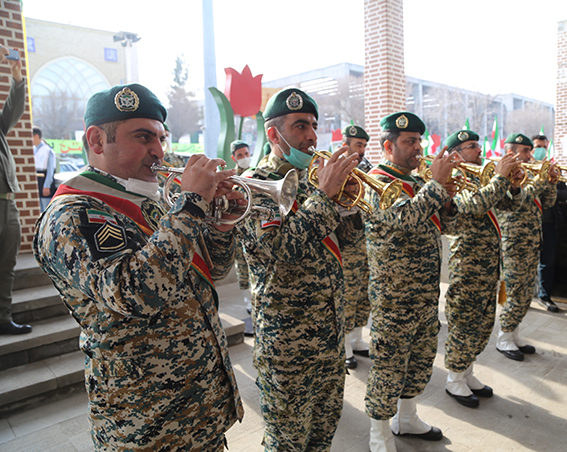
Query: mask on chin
point(299, 159)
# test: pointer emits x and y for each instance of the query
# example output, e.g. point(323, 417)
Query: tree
point(529, 120)
point(184, 114)
point(58, 115)
point(342, 100)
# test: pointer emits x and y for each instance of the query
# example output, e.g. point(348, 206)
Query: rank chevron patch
point(110, 237)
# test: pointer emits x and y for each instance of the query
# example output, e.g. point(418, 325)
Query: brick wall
point(20, 138)
point(560, 138)
point(384, 72)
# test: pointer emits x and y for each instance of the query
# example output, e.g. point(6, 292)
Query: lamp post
point(127, 39)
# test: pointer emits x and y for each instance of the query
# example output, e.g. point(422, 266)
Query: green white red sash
point(538, 204)
point(494, 220)
point(407, 188)
point(129, 204)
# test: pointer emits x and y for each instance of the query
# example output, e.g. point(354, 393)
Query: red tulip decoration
point(243, 91)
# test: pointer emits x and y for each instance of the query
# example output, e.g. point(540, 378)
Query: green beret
point(166, 127)
point(519, 138)
point(403, 121)
point(460, 137)
point(236, 145)
point(123, 102)
point(353, 131)
point(290, 100)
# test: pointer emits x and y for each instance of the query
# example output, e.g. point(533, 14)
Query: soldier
point(474, 269)
point(44, 158)
point(521, 241)
point(297, 286)
point(404, 255)
point(355, 262)
point(241, 156)
point(136, 279)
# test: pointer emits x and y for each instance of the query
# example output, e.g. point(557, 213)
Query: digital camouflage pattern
point(404, 255)
point(157, 370)
point(240, 260)
point(521, 241)
point(474, 272)
point(356, 273)
point(297, 288)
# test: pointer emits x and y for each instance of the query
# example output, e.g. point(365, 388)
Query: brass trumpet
point(532, 172)
point(283, 192)
point(460, 178)
point(561, 177)
point(388, 192)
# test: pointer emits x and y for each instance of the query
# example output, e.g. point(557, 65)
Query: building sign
point(31, 44)
point(110, 54)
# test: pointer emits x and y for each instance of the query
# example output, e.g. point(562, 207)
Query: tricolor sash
point(407, 187)
point(494, 220)
point(538, 204)
point(144, 212)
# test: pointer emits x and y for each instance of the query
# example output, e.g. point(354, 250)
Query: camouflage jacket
point(403, 242)
point(297, 283)
point(143, 309)
point(521, 224)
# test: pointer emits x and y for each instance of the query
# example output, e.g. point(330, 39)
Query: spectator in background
point(44, 157)
point(10, 232)
point(552, 224)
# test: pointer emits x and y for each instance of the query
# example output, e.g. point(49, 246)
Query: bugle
point(515, 181)
point(459, 177)
point(283, 192)
point(388, 192)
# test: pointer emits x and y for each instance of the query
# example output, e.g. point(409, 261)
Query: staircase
point(46, 364)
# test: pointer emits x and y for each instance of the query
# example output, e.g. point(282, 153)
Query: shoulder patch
point(103, 233)
point(275, 222)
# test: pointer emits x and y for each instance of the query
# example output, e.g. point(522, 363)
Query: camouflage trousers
point(470, 312)
point(153, 414)
point(520, 270)
point(241, 267)
point(301, 406)
point(403, 348)
point(356, 301)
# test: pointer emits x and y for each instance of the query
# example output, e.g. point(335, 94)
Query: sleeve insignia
point(110, 238)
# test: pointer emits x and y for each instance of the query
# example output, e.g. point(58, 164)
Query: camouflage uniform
point(356, 273)
point(521, 241)
point(157, 370)
point(474, 269)
point(404, 255)
point(240, 260)
point(297, 286)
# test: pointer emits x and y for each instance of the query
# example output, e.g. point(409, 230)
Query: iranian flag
point(426, 143)
point(486, 150)
point(466, 126)
point(496, 150)
point(551, 151)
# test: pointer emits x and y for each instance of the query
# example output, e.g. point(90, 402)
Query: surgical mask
point(244, 163)
point(142, 187)
point(299, 159)
point(540, 153)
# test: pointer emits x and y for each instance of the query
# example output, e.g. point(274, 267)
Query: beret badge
point(519, 139)
point(402, 122)
point(352, 131)
point(126, 100)
point(463, 136)
point(294, 101)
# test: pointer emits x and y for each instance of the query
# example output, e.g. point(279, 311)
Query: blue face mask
point(299, 159)
point(540, 153)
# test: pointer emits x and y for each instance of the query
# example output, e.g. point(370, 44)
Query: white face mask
point(244, 163)
point(142, 187)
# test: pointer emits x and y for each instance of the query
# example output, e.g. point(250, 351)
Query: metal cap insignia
point(126, 100)
point(519, 139)
point(352, 131)
point(294, 101)
point(402, 122)
point(463, 136)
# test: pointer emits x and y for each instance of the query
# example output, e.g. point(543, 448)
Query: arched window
point(59, 94)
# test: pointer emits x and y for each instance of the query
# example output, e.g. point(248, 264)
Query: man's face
point(471, 152)
point(405, 150)
point(241, 153)
point(138, 145)
point(300, 131)
point(524, 152)
point(356, 146)
point(36, 140)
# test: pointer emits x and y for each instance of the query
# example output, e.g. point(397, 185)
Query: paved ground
point(527, 413)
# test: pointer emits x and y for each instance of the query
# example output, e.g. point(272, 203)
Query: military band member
point(404, 255)
point(355, 262)
point(240, 154)
point(297, 285)
point(474, 270)
point(136, 279)
point(521, 242)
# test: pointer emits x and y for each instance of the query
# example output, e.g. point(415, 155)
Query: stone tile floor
point(527, 413)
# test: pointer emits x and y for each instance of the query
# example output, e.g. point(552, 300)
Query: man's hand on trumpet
point(507, 164)
point(554, 173)
point(332, 173)
point(442, 169)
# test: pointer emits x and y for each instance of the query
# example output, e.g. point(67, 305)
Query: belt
point(7, 196)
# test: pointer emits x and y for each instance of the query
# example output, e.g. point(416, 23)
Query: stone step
point(37, 303)
point(28, 274)
point(35, 382)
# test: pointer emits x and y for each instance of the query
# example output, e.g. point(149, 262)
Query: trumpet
point(459, 178)
point(561, 177)
point(388, 192)
point(283, 192)
point(538, 171)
